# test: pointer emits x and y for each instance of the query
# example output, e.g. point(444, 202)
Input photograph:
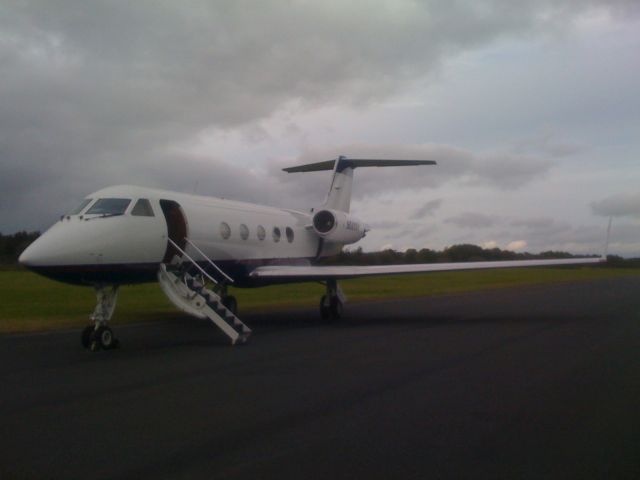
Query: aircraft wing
point(310, 273)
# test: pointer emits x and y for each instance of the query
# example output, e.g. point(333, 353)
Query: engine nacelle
point(338, 227)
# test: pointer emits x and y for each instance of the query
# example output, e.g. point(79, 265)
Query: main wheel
point(336, 308)
point(325, 308)
point(86, 336)
point(231, 304)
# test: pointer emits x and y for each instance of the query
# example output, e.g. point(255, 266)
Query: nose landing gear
point(99, 336)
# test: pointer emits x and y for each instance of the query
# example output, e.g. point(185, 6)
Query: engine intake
point(338, 227)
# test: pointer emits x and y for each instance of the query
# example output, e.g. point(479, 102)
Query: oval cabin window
point(244, 231)
point(289, 234)
point(261, 233)
point(276, 234)
point(225, 230)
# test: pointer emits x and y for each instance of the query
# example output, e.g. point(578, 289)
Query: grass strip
point(31, 303)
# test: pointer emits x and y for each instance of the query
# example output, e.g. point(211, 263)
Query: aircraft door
point(177, 229)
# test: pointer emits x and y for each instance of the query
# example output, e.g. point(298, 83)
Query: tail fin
point(339, 196)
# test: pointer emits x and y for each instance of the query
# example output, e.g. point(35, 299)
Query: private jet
point(197, 246)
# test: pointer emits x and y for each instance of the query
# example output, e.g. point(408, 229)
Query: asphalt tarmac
point(536, 382)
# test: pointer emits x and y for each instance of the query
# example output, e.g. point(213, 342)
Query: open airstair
point(187, 290)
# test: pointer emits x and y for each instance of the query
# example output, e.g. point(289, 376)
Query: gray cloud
point(533, 223)
point(100, 92)
point(623, 204)
point(548, 144)
point(427, 209)
point(417, 232)
point(454, 164)
point(508, 170)
point(386, 224)
point(472, 220)
point(543, 227)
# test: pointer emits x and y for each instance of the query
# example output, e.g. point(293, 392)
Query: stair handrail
point(192, 261)
point(209, 260)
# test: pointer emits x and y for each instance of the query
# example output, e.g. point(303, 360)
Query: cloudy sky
point(531, 108)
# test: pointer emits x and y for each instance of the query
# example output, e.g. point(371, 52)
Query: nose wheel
point(99, 336)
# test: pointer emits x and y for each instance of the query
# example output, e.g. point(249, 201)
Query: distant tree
point(464, 253)
point(11, 246)
point(427, 255)
point(615, 261)
point(554, 254)
point(456, 253)
point(411, 256)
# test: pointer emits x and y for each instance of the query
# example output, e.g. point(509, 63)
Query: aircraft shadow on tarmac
point(188, 331)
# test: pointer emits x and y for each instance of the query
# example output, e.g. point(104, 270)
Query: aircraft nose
point(30, 257)
point(23, 259)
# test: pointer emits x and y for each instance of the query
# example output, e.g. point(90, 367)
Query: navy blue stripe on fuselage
point(135, 273)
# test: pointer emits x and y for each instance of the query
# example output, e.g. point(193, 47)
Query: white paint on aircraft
point(127, 234)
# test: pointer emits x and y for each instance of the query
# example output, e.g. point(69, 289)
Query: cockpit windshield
point(81, 207)
point(109, 206)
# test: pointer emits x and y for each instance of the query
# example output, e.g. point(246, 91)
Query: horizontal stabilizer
point(354, 163)
point(312, 167)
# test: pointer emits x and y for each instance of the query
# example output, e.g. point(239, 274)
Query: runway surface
point(537, 382)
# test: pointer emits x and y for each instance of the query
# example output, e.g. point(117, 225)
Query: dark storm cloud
point(99, 92)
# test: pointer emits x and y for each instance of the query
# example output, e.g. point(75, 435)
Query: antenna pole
point(606, 245)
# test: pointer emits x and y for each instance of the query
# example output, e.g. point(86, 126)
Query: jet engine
point(338, 227)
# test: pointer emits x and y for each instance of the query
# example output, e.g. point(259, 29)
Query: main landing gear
point(99, 336)
point(332, 303)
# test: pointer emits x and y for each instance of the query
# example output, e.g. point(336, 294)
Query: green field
point(29, 302)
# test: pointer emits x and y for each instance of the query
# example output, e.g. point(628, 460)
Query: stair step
point(183, 290)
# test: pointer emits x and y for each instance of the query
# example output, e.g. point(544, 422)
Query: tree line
point(11, 246)
point(456, 253)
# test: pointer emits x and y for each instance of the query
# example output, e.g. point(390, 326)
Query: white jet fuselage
point(128, 246)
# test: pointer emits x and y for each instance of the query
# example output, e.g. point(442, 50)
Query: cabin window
point(276, 234)
point(81, 207)
point(289, 233)
point(261, 233)
point(244, 231)
point(142, 208)
point(225, 230)
point(109, 206)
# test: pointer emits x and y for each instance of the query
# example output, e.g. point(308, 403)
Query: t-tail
point(339, 195)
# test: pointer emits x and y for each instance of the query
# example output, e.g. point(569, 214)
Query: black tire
point(86, 336)
point(104, 338)
point(231, 304)
point(336, 308)
point(325, 308)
